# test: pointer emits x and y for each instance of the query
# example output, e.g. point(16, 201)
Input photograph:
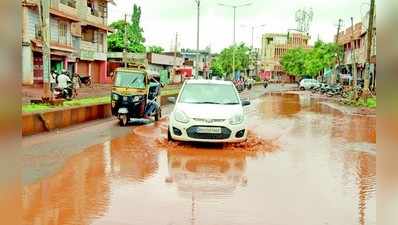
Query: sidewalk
point(96, 90)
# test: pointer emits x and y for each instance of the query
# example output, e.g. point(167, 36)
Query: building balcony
point(92, 51)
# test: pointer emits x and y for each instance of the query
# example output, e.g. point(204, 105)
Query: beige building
point(274, 46)
point(354, 42)
point(78, 39)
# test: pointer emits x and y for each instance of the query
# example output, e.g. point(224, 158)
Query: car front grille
point(192, 133)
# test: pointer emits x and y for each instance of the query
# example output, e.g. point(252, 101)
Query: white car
point(306, 84)
point(208, 111)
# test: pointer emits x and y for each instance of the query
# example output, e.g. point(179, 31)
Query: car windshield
point(130, 80)
point(223, 94)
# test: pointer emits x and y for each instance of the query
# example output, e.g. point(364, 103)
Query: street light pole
point(234, 7)
point(197, 39)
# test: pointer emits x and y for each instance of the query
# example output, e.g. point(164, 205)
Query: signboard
point(165, 60)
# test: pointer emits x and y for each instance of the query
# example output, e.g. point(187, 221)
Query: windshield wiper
point(214, 103)
point(231, 103)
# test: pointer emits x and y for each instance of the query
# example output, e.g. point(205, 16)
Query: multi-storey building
point(78, 30)
point(354, 42)
point(274, 46)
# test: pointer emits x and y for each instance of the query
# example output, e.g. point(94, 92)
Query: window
point(209, 94)
point(88, 35)
point(70, 3)
point(62, 32)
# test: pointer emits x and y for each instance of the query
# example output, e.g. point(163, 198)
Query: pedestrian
point(76, 83)
point(53, 80)
point(63, 81)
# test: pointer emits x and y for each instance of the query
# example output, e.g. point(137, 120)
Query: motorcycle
point(86, 80)
point(65, 93)
point(240, 86)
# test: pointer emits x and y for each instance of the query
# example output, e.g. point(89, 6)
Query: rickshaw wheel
point(123, 120)
point(158, 115)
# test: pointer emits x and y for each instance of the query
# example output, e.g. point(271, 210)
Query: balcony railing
point(70, 3)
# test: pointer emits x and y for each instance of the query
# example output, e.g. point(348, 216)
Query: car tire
point(302, 89)
point(169, 138)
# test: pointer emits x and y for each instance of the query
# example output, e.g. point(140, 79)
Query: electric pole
point(197, 39)
point(175, 58)
point(353, 61)
point(234, 42)
point(369, 50)
point(44, 11)
point(338, 59)
point(125, 42)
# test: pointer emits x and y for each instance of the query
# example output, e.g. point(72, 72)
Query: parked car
point(307, 84)
point(208, 111)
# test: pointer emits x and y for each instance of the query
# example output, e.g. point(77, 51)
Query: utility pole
point(44, 12)
point(338, 60)
point(369, 50)
point(234, 42)
point(353, 61)
point(197, 39)
point(125, 42)
point(175, 58)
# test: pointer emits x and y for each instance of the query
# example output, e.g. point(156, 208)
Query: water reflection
point(75, 195)
point(280, 104)
point(206, 173)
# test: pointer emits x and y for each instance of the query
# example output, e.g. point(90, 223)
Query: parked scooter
point(86, 80)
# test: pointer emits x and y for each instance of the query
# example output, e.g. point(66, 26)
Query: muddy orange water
point(304, 164)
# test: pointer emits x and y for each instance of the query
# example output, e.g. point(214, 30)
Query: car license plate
point(209, 130)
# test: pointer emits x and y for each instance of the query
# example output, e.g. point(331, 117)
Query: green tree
point(155, 49)
point(135, 36)
point(216, 67)
point(310, 62)
point(293, 61)
point(225, 58)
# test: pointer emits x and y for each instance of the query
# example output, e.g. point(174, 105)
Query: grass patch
point(371, 103)
point(29, 108)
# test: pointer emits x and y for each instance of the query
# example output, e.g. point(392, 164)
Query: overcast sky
point(161, 19)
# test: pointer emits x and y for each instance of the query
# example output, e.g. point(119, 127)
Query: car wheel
point(169, 138)
point(302, 89)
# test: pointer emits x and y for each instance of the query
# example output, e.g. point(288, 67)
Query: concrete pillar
point(27, 65)
point(27, 54)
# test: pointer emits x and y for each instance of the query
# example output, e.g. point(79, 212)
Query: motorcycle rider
point(63, 80)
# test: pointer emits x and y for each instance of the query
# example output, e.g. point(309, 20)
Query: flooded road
point(304, 164)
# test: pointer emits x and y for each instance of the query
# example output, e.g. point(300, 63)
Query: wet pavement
point(304, 163)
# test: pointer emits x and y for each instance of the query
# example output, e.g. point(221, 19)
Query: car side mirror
point(245, 102)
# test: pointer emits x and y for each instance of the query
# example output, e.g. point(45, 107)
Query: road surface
point(304, 164)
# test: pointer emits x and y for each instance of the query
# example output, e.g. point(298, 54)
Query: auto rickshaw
point(134, 95)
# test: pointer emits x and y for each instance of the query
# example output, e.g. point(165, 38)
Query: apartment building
point(78, 31)
point(354, 42)
point(274, 46)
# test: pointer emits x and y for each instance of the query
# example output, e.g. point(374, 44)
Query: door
point(82, 68)
point(95, 71)
point(37, 68)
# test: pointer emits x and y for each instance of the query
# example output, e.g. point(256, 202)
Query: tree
point(309, 62)
point(225, 58)
point(155, 49)
point(293, 61)
point(135, 37)
point(216, 67)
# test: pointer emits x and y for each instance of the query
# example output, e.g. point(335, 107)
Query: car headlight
point(181, 117)
point(136, 98)
point(115, 97)
point(236, 119)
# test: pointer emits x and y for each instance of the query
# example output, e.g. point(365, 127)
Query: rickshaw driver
point(154, 91)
